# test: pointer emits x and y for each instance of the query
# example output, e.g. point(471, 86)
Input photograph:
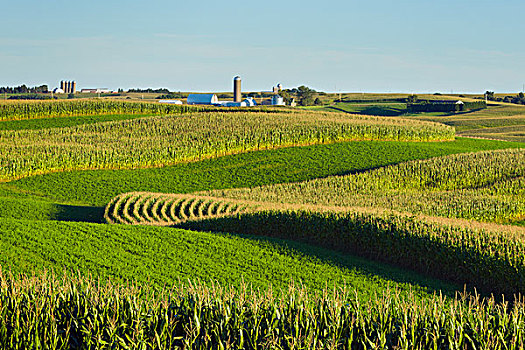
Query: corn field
point(489, 260)
point(487, 186)
point(143, 208)
point(163, 140)
point(46, 109)
point(76, 312)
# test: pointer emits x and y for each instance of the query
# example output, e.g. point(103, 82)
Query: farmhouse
point(202, 99)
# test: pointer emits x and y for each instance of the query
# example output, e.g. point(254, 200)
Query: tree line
point(302, 95)
point(518, 99)
point(23, 89)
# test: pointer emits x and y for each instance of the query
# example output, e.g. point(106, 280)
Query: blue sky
point(375, 46)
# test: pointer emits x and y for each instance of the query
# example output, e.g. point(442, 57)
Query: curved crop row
point(490, 259)
point(484, 256)
point(485, 186)
point(163, 140)
point(143, 208)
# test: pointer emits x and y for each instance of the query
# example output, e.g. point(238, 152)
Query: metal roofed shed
point(171, 102)
point(233, 104)
point(202, 99)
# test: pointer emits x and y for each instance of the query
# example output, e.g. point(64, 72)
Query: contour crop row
point(163, 140)
point(142, 208)
point(490, 260)
point(485, 186)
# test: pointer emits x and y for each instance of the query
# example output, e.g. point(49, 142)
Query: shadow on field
point(79, 213)
point(335, 256)
point(382, 111)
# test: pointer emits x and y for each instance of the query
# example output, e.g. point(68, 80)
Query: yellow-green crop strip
point(486, 186)
point(163, 140)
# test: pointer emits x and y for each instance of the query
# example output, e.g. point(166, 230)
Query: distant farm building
point(68, 87)
point(212, 99)
point(58, 91)
point(249, 102)
point(95, 91)
point(171, 102)
point(277, 100)
point(202, 99)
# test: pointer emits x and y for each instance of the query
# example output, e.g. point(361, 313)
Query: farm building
point(96, 91)
point(202, 99)
point(277, 100)
point(172, 102)
point(249, 102)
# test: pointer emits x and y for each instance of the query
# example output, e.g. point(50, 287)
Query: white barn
point(202, 99)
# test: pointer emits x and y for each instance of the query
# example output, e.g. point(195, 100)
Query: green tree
point(285, 94)
point(412, 99)
point(305, 95)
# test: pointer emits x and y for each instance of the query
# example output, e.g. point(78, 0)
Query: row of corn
point(480, 258)
point(485, 186)
point(142, 208)
point(161, 140)
point(41, 109)
point(45, 312)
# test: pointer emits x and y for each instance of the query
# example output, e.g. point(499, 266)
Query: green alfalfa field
point(46, 203)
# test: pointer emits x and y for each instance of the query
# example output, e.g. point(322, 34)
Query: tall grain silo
point(237, 89)
point(63, 85)
point(74, 87)
point(67, 87)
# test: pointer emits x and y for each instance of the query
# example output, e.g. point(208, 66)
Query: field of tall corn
point(77, 312)
point(162, 140)
point(490, 259)
point(19, 110)
point(487, 186)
